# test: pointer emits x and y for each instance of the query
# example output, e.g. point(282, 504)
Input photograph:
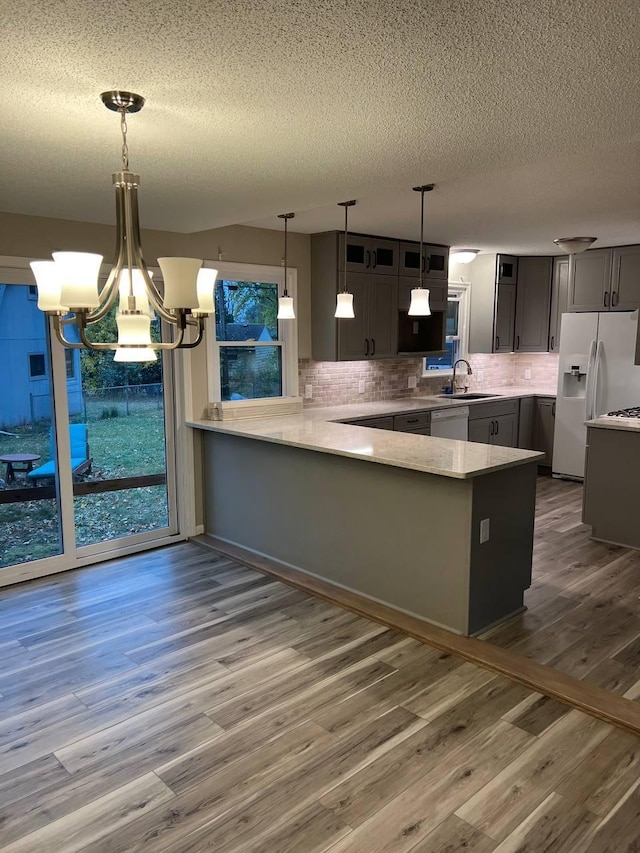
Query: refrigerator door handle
point(590, 370)
point(596, 373)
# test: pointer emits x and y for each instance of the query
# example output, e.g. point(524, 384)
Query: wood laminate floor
point(176, 701)
point(583, 614)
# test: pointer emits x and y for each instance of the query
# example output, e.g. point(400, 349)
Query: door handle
point(373, 346)
point(375, 259)
point(614, 298)
point(366, 346)
point(606, 299)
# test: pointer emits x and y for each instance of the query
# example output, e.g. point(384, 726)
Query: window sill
point(233, 410)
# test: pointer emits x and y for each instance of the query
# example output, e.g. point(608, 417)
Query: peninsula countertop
point(625, 424)
point(320, 429)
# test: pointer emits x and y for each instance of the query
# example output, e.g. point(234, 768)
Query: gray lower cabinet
point(559, 300)
point(481, 430)
point(532, 304)
point(589, 281)
point(494, 423)
point(544, 428)
point(416, 422)
point(526, 422)
point(374, 423)
point(625, 278)
point(505, 318)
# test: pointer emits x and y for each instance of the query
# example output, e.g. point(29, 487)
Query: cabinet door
point(353, 341)
point(409, 259)
point(505, 431)
point(590, 280)
point(374, 423)
point(358, 253)
point(505, 318)
point(559, 300)
point(545, 425)
point(533, 304)
point(507, 272)
point(383, 316)
point(384, 256)
point(436, 262)
point(625, 279)
point(525, 423)
point(481, 430)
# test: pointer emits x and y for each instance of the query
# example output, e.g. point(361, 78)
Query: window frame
point(287, 338)
point(37, 377)
point(464, 301)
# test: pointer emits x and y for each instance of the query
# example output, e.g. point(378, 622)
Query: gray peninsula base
point(398, 536)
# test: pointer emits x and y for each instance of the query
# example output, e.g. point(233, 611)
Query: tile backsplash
point(336, 383)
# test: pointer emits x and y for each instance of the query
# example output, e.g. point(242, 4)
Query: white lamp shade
point(133, 354)
point(48, 282)
point(205, 290)
point(419, 306)
point(180, 282)
point(139, 292)
point(285, 308)
point(463, 256)
point(344, 306)
point(78, 272)
point(134, 329)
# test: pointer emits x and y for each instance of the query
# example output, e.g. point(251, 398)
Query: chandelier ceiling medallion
point(68, 286)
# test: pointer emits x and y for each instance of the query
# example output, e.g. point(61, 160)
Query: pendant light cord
point(346, 205)
point(286, 217)
point(125, 147)
point(425, 188)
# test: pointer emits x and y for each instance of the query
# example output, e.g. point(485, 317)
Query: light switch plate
point(484, 531)
point(360, 386)
point(308, 392)
point(412, 382)
point(527, 373)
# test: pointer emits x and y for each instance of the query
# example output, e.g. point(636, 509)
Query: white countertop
point(626, 424)
point(316, 429)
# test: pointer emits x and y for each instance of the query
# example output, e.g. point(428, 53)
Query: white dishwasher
point(451, 423)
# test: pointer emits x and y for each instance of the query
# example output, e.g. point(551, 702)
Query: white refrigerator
point(596, 375)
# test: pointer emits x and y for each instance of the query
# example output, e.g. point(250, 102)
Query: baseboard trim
point(592, 700)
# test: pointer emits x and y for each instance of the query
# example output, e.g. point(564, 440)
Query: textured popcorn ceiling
point(526, 113)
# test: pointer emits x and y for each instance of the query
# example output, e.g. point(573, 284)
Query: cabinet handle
point(366, 346)
point(492, 427)
point(614, 298)
point(367, 262)
point(553, 409)
point(552, 342)
point(413, 420)
point(375, 259)
point(517, 341)
point(606, 299)
point(497, 342)
point(497, 427)
point(373, 346)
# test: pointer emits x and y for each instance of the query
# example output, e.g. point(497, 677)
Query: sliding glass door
point(86, 448)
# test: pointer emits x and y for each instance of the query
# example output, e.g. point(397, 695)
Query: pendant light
point(419, 306)
point(69, 292)
point(285, 302)
point(344, 304)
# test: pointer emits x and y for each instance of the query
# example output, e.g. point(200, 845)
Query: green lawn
point(120, 447)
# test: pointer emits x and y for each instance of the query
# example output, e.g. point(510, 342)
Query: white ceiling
point(525, 113)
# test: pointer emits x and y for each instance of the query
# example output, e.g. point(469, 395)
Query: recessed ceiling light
point(463, 256)
point(574, 245)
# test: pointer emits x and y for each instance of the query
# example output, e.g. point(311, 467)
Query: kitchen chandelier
point(419, 306)
point(285, 302)
point(344, 303)
point(68, 289)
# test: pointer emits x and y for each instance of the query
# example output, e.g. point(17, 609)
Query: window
point(32, 292)
point(70, 363)
point(251, 352)
point(37, 365)
point(456, 332)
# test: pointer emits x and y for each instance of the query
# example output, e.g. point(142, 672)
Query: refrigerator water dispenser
point(574, 382)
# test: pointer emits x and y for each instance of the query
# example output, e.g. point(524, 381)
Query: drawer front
point(374, 423)
point(419, 431)
point(412, 422)
point(493, 409)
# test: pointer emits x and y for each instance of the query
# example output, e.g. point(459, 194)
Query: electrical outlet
point(308, 392)
point(484, 531)
point(527, 373)
point(412, 382)
point(360, 386)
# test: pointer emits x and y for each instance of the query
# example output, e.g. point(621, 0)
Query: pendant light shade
point(344, 307)
point(419, 306)
point(285, 302)
point(205, 289)
point(134, 354)
point(344, 303)
point(48, 283)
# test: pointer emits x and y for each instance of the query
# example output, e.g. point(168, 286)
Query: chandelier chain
point(125, 147)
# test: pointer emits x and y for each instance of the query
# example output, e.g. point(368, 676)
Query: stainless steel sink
point(466, 396)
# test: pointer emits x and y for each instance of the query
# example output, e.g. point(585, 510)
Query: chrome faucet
point(453, 378)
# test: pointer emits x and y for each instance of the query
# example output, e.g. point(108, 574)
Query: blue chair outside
point(80, 457)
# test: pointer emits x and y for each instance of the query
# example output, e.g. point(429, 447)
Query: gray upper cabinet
point(532, 304)
point(438, 294)
point(505, 318)
point(589, 281)
point(559, 300)
point(383, 316)
point(374, 255)
point(435, 265)
point(625, 279)
point(353, 344)
point(409, 263)
point(507, 271)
